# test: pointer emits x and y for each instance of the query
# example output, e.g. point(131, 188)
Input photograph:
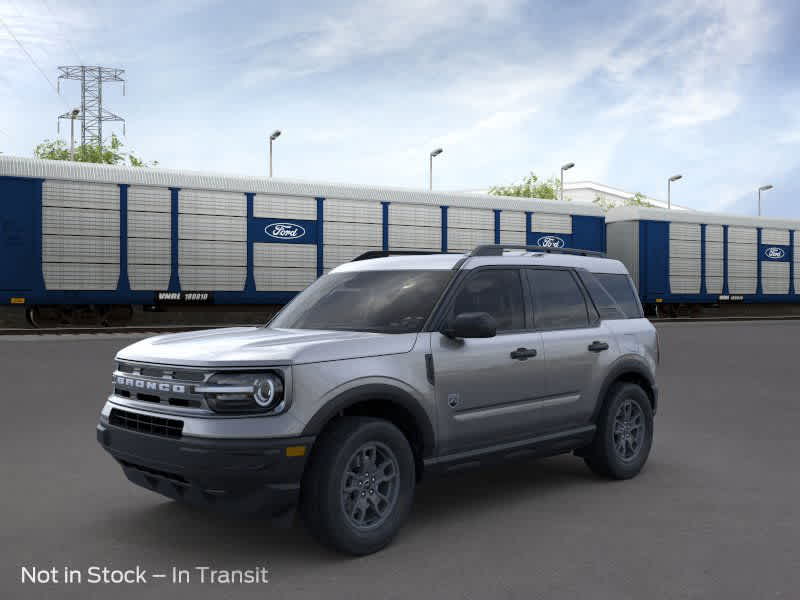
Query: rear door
point(17, 206)
point(578, 347)
point(487, 390)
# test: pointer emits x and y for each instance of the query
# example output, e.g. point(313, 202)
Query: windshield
point(381, 301)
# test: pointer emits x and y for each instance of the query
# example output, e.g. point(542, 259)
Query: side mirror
point(471, 325)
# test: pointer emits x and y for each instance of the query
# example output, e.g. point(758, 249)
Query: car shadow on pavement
point(187, 534)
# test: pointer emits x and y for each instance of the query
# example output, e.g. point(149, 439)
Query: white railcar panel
point(333, 256)
point(684, 231)
point(684, 249)
point(514, 237)
point(685, 284)
point(742, 235)
point(411, 237)
point(149, 199)
point(204, 202)
point(80, 194)
point(203, 252)
point(713, 233)
point(80, 276)
point(149, 277)
point(214, 228)
point(775, 277)
point(470, 218)
point(714, 285)
point(742, 285)
point(512, 220)
point(775, 236)
point(715, 250)
point(551, 223)
point(415, 214)
point(742, 268)
point(684, 266)
point(284, 207)
point(149, 225)
point(148, 251)
point(352, 211)
point(80, 249)
point(352, 234)
point(285, 255)
point(714, 268)
point(205, 278)
point(461, 240)
point(742, 252)
point(80, 221)
point(270, 279)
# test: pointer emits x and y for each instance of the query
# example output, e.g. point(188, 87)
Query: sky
point(632, 92)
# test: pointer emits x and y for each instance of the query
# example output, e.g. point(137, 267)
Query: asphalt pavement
point(715, 514)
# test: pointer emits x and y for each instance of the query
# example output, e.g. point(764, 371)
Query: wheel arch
point(628, 370)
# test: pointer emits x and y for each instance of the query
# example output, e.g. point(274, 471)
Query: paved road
point(714, 515)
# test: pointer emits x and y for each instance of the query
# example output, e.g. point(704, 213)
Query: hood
point(257, 346)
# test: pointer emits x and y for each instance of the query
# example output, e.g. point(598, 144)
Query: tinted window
point(557, 300)
point(621, 289)
point(606, 305)
point(381, 301)
point(494, 291)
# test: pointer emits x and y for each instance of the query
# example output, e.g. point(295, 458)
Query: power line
point(62, 26)
point(30, 57)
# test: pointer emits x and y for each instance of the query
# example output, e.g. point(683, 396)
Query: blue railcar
point(97, 236)
point(680, 257)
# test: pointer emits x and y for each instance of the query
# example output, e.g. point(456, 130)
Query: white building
point(588, 191)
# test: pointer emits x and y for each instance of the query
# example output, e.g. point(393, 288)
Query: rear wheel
point(624, 433)
point(359, 486)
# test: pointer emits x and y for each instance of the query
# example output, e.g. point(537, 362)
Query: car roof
point(445, 262)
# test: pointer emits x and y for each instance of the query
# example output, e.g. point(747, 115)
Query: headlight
point(244, 393)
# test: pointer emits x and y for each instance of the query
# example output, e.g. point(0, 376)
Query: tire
point(338, 509)
point(622, 455)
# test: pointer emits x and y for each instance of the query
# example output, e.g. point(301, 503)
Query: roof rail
point(384, 253)
point(497, 250)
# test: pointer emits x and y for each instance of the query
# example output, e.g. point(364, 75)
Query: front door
point(488, 390)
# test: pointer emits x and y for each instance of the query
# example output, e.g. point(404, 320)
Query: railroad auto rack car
point(695, 258)
point(81, 238)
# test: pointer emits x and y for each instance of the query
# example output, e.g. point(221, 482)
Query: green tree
point(111, 154)
point(530, 187)
point(638, 199)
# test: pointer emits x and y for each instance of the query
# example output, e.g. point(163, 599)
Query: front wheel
point(624, 433)
point(359, 486)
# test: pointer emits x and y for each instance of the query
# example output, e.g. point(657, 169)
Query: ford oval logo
point(774, 253)
point(285, 231)
point(550, 241)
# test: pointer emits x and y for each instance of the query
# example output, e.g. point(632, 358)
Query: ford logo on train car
point(285, 231)
point(774, 253)
point(550, 241)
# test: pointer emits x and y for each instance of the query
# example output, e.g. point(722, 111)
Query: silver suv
point(387, 369)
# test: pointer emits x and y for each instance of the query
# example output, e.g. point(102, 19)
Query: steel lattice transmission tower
point(92, 112)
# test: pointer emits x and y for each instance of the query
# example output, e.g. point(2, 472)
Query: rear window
point(621, 289)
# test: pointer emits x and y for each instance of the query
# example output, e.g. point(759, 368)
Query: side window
point(558, 301)
point(606, 305)
point(621, 289)
point(494, 291)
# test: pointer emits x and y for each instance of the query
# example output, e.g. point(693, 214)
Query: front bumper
point(241, 476)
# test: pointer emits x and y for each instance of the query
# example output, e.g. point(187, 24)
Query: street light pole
point(669, 191)
point(565, 167)
point(275, 135)
point(436, 152)
point(73, 113)
point(763, 188)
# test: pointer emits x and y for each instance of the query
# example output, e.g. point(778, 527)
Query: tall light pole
point(72, 116)
point(763, 188)
point(565, 167)
point(669, 183)
point(436, 152)
point(275, 135)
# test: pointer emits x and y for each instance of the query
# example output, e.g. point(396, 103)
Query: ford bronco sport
point(387, 369)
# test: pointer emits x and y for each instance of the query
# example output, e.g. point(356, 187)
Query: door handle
point(596, 346)
point(523, 353)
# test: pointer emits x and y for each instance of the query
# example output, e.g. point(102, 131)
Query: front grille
point(172, 428)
